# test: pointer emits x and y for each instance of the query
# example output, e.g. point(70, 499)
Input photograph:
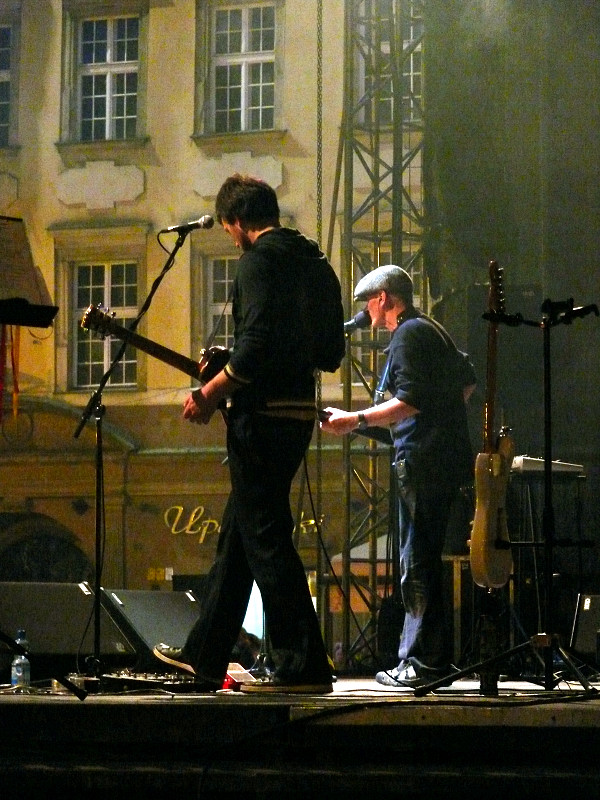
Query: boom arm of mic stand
point(94, 402)
point(95, 399)
point(512, 320)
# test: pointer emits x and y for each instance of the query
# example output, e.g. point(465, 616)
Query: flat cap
point(390, 278)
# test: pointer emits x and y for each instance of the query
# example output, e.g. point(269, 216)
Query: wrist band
point(362, 421)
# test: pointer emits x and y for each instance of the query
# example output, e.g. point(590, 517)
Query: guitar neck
point(165, 354)
point(489, 409)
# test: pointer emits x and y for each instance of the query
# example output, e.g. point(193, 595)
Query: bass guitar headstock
point(496, 299)
point(102, 322)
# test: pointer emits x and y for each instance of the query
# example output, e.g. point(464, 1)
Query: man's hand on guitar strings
point(195, 408)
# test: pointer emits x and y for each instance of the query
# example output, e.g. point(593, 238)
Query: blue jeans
point(425, 642)
point(256, 544)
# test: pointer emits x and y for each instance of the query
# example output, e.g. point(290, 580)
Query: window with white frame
point(112, 285)
point(376, 67)
point(108, 53)
point(5, 82)
point(10, 24)
point(412, 73)
point(243, 67)
point(219, 321)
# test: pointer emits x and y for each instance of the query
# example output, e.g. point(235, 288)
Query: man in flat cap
point(429, 381)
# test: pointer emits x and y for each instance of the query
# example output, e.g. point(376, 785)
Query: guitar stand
point(553, 313)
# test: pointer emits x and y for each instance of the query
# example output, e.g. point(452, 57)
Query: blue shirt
point(428, 372)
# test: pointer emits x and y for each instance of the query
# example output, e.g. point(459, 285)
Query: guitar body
point(491, 557)
point(212, 361)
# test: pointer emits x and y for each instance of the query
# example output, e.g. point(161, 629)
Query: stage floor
point(361, 740)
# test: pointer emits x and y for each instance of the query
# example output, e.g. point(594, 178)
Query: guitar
point(491, 557)
point(212, 360)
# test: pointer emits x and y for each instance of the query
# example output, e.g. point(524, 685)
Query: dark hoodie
point(289, 320)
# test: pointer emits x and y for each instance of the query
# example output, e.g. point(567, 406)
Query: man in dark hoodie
point(288, 324)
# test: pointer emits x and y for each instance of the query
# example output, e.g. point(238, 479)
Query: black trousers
point(256, 544)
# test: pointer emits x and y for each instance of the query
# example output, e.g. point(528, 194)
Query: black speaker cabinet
point(585, 635)
point(58, 619)
point(149, 617)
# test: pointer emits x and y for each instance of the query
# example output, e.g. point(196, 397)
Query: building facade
point(120, 119)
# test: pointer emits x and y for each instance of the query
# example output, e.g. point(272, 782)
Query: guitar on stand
point(491, 557)
point(490, 548)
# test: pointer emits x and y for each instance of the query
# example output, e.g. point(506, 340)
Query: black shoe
point(274, 685)
point(173, 656)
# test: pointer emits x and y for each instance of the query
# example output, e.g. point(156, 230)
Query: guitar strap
point(448, 341)
point(379, 393)
point(464, 367)
point(443, 333)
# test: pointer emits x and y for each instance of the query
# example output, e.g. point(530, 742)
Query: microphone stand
point(554, 313)
point(96, 408)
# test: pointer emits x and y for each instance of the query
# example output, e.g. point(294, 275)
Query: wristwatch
point(362, 422)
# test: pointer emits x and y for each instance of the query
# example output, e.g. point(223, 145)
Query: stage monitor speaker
point(585, 634)
point(58, 619)
point(149, 617)
point(253, 621)
point(197, 583)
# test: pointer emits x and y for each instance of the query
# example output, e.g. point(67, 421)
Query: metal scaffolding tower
point(380, 169)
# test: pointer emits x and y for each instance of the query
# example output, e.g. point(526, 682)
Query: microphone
point(579, 311)
point(549, 307)
point(361, 320)
point(204, 222)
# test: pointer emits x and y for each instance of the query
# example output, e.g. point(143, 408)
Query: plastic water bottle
point(20, 670)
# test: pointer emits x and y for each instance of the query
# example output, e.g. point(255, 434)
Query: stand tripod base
point(545, 641)
point(260, 669)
